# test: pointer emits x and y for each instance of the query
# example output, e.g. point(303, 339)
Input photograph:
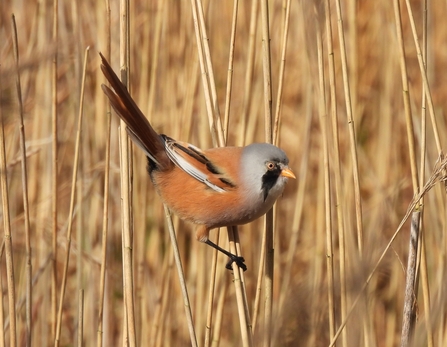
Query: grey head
point(265, 173)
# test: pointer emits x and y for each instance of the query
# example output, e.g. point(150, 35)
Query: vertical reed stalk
point(155, 56)
point(406, 97)
point(7, 236)
point(219, 313)
point(181, 274)
point(269, 245)
point(351, 127)
point(211, 292)
point(126, 185)
point(248, 81)
point(260, 277)
point(210, 74)
point(337, 172)
point(409, 314)
point(211, 102)
point(409, 309)
point(105, 219)
point(297, 219)
point(72, 203)
point(282, 68)
point(423, 255)
point(424, 78)
point(80, 318)
point(161, 311)
point(326, 173)
point(2, 320)
point(28, 269)
point(230, 71)
point(241, 299)
point(54, 169)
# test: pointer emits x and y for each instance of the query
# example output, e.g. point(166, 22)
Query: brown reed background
point(163, 53)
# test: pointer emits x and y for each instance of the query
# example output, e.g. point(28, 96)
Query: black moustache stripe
point(269, 180)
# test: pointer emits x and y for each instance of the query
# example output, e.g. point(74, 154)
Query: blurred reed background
point(313, 289)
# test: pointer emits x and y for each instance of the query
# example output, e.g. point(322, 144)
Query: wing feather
point(194, 162)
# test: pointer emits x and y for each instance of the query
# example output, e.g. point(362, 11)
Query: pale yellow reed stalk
point(423, 256)
point(327, 187)
point(80, 333)
point(54, 169)
point(248, 80)
point(7, 236)
point(72, 203)
point(282, 68)
point(336, 164)
point(351, 127)
point(126, 187)
point(181, 275)
point(230, 71)
point(28, 270)
point(268, 114)
point(105, 219)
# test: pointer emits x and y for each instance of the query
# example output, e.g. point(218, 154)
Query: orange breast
point(194, 201)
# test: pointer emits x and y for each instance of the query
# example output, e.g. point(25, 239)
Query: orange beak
point(286, 172)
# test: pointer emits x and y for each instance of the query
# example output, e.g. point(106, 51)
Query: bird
point(212, 188)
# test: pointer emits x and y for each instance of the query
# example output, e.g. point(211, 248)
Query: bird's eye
point(270, 166)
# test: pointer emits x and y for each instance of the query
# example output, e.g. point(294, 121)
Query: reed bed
point(353, 91)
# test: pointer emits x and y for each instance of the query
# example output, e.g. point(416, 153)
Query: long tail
point(138, 127)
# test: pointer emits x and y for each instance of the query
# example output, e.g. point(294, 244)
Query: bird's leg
point(233, 258)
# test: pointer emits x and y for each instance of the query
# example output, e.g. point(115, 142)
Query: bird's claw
point(239, 262)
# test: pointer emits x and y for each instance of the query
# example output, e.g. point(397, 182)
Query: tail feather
point(138, 127)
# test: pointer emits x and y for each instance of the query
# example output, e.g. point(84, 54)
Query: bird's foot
point(233, 258)
point(239, 262)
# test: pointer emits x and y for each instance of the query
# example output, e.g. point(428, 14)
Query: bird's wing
point(194, 162)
